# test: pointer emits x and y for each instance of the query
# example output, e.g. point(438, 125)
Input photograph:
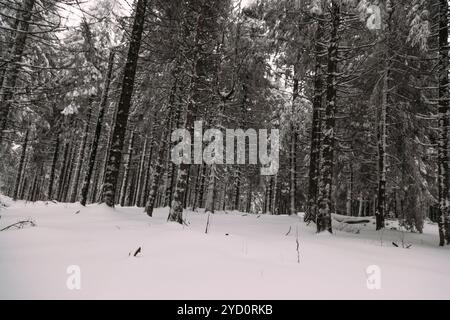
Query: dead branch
point(20, 225)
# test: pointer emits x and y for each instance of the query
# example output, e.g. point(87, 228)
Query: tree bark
point(382, 137)
point(127, 168)
point(69, 173)
point(141, 175)
point(150, 204)
point(63, 171)
point(123, 108)
point(443, 113)
point(323, 220)
point(53, 169)
point(21, 165)
point(237, 191)
point(98, 130)
point(79, 166)
point(211, 191)
point(293, 155)
point(314, 160)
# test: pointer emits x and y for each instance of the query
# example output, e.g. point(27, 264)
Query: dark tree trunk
point(382, 137)
point(33, 192)
point(249, 199)
point(156, 176)
point(323, 220)
point(170, 183)
point(443, 112)
point(95, 183)
point(126, 173)
point(270, 196)
point(130, 196)
point(53, 169)
point(171, 167)
point(98, 130)
point(237, 192)
point(148, 171)
point(123, 108)
point(21, 165)
point(80, 161)
point(210, 204)
point(201, 188)
point(141, 175)
point(186, 192)
point(293, 154)
point(382, 128)
point(69, 173)
point(314, 160)
point(196, 187)
point(63, 171)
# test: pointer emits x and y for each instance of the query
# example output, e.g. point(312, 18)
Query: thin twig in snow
point(20, 225)
point(289, 231)
point(207, 224)
point(298, 247)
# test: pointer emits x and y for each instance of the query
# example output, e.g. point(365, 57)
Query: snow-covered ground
point(241, 257)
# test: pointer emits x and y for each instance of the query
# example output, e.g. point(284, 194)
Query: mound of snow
point(5, 201)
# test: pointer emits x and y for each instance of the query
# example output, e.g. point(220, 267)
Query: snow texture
point(241, 257)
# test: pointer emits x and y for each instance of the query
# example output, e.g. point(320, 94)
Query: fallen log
point(349, 220)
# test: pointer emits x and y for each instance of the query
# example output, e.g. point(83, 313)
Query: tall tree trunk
point(176, 121)
point(382, 137)
point(98, 130)
point(186, 192)
point(148, 170)
point(127, 168)
point(273, 208)
point(141, 175)
point(249, 199)
point(130, 196)
point(63, 171)
point(382, 128)
point(81, 153)
point(443, 110)
point(12, 72)
point(53, 169)
point(201, 190)
point(211, 190)
point(323, 220)
point(32, 195)
point(69, 173)
point(349, 204)
point(171, 179)
point(266, 193)
point(123, 108)
point(24, 186)
point(270, 195)
point(196, 187)
point(157, 173)
point(107, 151)
point(21, 165)
point(314, 160)
point(293, 155)
point(237, 191)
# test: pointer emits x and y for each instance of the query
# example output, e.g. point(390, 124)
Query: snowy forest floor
point(241, 257)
